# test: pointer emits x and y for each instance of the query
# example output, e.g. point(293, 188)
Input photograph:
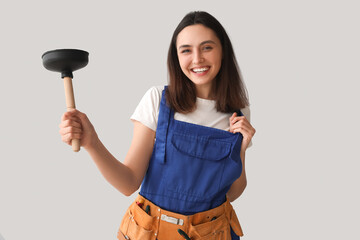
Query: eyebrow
point(202, 43)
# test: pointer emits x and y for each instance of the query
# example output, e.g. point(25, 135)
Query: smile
point(200, 70)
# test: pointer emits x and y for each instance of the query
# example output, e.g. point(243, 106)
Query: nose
point(198, 58)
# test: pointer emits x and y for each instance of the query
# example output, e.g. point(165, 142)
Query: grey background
point(300, 62)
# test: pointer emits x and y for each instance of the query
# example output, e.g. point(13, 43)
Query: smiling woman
point(200, 54)
point(189, 142)
point(201, 50)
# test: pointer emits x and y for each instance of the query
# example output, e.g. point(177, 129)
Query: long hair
point(228, 87)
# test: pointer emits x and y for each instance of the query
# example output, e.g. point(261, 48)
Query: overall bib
point(191, 169)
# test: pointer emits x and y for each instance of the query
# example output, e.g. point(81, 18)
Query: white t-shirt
point(205, 114)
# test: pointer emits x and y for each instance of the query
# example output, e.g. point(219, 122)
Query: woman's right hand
point(76, 125)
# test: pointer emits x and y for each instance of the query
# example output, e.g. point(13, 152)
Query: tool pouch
point(233, 219)
point(215, 224)
point(137, 224)
point(218, 229)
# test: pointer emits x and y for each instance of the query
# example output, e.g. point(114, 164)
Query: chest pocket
point(196, 165)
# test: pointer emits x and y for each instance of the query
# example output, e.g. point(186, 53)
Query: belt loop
point(228, 208)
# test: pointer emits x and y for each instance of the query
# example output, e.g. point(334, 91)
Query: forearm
point(115, 172)
point(238, 187)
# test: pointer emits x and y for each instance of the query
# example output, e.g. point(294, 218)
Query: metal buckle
point(172, 220)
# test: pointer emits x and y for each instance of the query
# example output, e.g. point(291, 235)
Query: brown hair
point(228, 88)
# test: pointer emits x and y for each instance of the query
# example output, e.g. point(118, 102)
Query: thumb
point(84, 119)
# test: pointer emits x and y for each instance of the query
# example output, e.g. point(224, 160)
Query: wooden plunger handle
point(70, 105)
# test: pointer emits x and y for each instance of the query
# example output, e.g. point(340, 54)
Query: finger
point(243, 131)
point(66, 140)
point(69, 130)
point(242, 123)
point(246, 132)
point(238, 119)
point(67, 115)
point(233, 116)
point(71, 113)
point(70, 136)
point(74, 122)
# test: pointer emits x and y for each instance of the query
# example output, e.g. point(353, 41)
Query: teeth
point(197, 70)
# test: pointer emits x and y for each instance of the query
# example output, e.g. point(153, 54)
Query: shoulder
point(154, 93)
point(152, 98)
point(147, 110)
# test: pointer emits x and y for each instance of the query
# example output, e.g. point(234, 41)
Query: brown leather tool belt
point(144, 220)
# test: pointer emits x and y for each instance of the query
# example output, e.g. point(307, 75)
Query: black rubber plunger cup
point(66, 61)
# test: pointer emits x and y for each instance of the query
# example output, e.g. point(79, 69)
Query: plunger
point(66, 61)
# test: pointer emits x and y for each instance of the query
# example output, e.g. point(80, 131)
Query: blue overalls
point(192, 166)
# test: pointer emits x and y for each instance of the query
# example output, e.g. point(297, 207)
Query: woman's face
point(200, 53)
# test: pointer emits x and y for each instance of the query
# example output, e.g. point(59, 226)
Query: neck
point(204, 92)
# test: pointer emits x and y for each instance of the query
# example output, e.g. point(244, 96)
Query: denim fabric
point(192, 166)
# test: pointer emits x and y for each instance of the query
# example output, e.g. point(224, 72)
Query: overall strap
point(239, 113)
point(162, 128)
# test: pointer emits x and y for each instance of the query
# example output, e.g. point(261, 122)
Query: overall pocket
point(218, 229)
point(137, 224)
point(196, 165)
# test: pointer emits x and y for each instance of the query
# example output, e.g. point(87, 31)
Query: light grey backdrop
point(300, 62)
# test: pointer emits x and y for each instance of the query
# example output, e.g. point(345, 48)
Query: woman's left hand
point(239, 124)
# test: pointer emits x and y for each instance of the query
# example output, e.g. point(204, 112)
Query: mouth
point(200, 70)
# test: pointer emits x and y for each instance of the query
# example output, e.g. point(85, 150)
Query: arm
point(238, 187)
point(125, 177)
point(240, 124)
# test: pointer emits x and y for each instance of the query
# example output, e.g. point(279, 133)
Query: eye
point(207, 48)
point(185, 51)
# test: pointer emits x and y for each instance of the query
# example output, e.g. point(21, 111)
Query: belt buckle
point(172, 220)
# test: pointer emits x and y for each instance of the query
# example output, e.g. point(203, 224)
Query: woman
point(189, 142)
